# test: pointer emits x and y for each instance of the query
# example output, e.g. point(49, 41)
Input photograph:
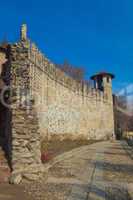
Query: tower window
point(108, 80)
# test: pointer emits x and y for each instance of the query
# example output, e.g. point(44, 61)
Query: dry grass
point(57, 147)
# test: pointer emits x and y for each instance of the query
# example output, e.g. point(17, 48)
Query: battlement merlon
point(23, 32)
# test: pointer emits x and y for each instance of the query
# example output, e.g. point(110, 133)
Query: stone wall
point(65, 107)
point(45, 102)
point(25, 143)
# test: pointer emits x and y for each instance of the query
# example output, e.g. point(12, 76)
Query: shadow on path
point(107, 166)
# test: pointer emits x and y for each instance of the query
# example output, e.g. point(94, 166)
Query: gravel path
point(101, 171)
point(113, 176)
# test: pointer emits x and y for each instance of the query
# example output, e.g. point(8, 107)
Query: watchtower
point(103, 82)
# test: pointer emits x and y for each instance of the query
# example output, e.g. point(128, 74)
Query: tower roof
point(102, 74)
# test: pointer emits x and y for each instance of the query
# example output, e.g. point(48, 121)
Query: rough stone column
point(26, 153)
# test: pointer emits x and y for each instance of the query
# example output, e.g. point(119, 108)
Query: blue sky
point(94, 34)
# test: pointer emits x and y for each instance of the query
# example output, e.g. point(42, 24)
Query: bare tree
point(76, 73)
point(123, 119)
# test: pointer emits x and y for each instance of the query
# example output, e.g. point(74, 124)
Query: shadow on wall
point(5, 112)
point(5, 132)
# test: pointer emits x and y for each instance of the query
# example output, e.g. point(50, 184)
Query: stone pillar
point(26, 147)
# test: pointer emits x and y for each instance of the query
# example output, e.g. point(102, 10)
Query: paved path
point(102, 171)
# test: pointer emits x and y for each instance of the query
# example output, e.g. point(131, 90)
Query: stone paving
point(101, 171)
point(95, 172)
point(113, 176)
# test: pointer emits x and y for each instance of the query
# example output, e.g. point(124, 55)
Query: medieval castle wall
point(45, 102)
point(66, 107)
